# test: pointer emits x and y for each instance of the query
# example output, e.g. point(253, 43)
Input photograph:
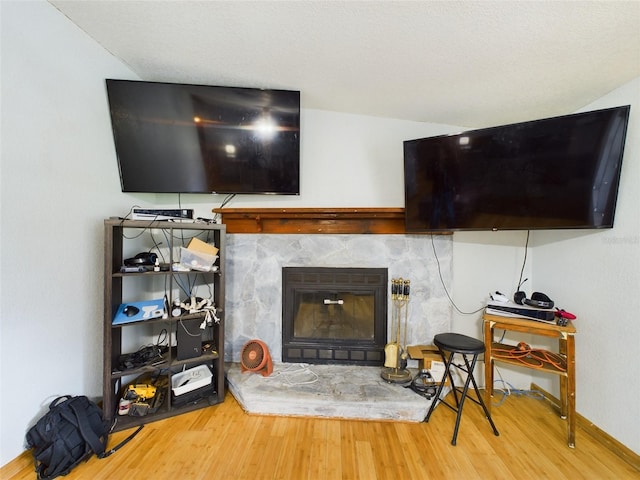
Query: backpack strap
point(90, 436)
point(80, 418)
point(121, 444)
point(97, 445)
point(59, 400)
point(60, 458)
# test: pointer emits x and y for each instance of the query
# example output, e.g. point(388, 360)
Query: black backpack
point(70, 432)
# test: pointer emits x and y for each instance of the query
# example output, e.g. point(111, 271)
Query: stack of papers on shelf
point(510, 309)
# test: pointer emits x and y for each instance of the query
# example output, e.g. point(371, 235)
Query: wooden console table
point(565, 370)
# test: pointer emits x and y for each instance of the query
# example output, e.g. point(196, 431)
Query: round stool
point(450, 345)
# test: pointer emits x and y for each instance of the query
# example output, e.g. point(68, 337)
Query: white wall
point(594, 274)
point(485, 262)
point(59, 180)
point(597, 276)
point(58, 183)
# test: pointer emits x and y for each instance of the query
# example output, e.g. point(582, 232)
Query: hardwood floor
point(223, 442)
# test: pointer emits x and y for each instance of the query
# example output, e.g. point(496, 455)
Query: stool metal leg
point(448, 365)
point(460, 402)
point(463, 396)
point(480, 400)
point(436, 398)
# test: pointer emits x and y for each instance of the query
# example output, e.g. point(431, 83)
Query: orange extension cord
point(523, 351)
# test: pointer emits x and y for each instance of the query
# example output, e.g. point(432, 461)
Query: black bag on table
point(69, 433)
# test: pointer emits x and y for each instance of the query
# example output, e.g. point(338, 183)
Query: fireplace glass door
point(334, 316)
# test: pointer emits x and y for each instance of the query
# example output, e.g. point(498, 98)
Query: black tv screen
point(179, 138)
point(555, 173)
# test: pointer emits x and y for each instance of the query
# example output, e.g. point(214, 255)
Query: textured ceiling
point(464, 63)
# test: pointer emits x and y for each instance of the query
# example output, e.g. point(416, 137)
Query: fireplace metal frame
point(334, 281)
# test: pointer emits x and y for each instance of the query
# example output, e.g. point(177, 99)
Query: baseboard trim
point(601, 436)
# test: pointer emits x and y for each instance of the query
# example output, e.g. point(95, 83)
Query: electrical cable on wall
point(520, 282)
point(433, 246)
point(524, 262)
point(225, 201)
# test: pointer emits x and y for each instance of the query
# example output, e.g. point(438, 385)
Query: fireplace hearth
point(334, 315)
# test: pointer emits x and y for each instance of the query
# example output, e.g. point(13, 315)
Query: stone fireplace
point(254, 264)
point(265, 246)
point(334, 315)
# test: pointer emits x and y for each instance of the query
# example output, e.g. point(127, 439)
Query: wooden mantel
point(312, 220)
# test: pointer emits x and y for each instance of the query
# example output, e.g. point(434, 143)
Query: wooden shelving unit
point(565, 369)
point(124, 239)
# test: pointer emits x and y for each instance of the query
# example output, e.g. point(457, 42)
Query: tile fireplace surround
point(254, 279)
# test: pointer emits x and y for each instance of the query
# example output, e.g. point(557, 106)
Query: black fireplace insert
point(334, 315)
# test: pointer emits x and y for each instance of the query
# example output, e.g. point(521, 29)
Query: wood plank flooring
point(223, 442)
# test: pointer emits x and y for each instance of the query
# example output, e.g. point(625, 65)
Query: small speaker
point(189, 339)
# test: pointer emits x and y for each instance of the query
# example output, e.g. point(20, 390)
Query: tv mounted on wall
point(555, 173)
point(180, 138)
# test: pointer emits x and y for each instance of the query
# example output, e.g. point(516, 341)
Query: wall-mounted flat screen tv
point(179, 138)
point(555, 173)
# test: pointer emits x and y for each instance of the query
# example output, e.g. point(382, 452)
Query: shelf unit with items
point(163, 319)
point(561, 362)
